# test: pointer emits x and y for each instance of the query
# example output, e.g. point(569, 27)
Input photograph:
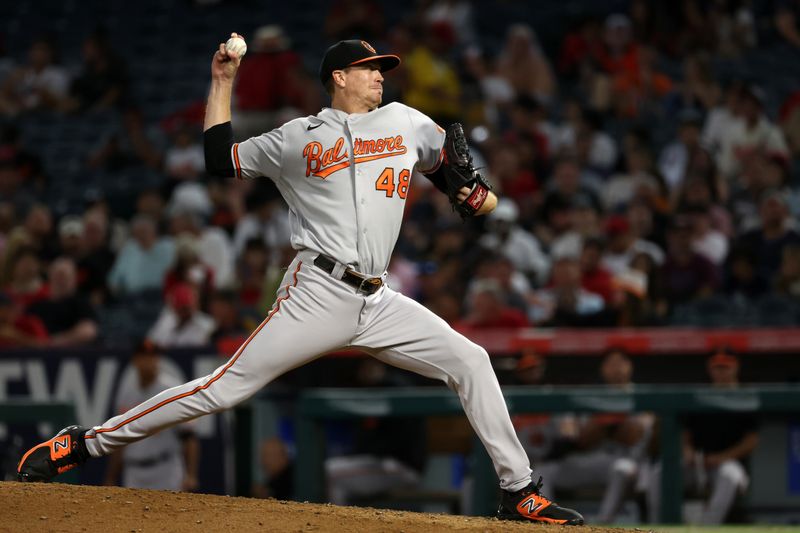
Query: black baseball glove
point(459, 172)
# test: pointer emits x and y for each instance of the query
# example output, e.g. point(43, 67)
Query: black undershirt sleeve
point(217, 142)
point(437, 178)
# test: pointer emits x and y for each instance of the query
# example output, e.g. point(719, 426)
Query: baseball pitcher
point(345, 174)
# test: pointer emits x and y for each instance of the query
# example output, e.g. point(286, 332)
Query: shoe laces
point(534, 488)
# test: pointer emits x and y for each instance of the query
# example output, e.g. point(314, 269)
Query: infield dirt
point(39, 507)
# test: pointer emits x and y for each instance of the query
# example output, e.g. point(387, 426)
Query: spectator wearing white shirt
point(181, 323)
point(707, 241)
point(753, 133)
point(214, 247)
point(184, 160)
point(506, 238)
point(623, 246)
point(266, 219)
point(41, 84)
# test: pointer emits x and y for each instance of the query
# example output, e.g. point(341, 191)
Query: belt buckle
point(373, 283)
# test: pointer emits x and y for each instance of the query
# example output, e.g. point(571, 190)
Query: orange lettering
point(311, 153)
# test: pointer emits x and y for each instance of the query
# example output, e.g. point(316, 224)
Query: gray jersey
point(345, 177)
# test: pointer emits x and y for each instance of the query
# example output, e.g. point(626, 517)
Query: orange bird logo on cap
point(368, 47)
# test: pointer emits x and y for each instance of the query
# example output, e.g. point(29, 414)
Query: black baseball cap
point(348, 53)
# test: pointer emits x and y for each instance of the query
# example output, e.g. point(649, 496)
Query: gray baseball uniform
point(157, 462)
point(345, 179)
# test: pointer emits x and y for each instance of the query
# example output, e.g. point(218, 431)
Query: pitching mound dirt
point(35, 507)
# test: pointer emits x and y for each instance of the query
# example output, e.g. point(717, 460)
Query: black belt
point(357, 281)
point(151, 461)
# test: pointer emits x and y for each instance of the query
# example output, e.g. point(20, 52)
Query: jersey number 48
point(385, 182)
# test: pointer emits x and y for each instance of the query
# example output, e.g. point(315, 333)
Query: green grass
point(718, 529)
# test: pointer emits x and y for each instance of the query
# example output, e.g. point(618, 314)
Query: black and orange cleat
point(63, 452)
point(527, 504)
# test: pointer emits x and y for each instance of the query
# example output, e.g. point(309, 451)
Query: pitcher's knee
point(733, 472)
point(624, 466)
point(471, 362)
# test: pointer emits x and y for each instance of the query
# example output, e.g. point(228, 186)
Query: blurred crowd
point(635, 179)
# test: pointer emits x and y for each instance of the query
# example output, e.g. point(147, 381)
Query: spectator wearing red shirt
point(271, 85)
point(487, 309)
point(26, 285)
point(19, 330)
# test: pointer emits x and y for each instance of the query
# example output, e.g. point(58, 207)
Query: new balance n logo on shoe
point(63, 443)
point(531, 505)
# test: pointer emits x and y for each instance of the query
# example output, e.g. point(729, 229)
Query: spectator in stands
point(600, 440)
point(181, 323)
point(143, 261)
point(565, 302)
point(457, 13)
point(266, 219)
point(13, 188)
point(742, 279)
point(214, 247)
point(753, 133)
point(278, 470)
point(523, 63)
point(564, 189)
point(488, 93)
point(623, 246)
point(66, 314)
point(517, 181)
point(673, 162)
point(26, 285)
point(579, 48)
point(513, 284)
point(761, 174)
point(618, 54)
point(252, 269)
point(38, 227)
point(41, 84)
point(168, 460)
point(687, 274)
point(96, 259)
point(505, 237)
point(354, 19)
point(716, 449)
point(641, 92)
point(130, 145)
point(594, 277)
point(707, 241)
point(70, 236)
point(271, 86)
point(184, 159)
point(699, 91)
point(223, 308)
point(28, 162)
point(188, 268)
point(775, 234)
point(722, 117)
point(151, 203)
point(637, 180)
point(787, 17)
point(432, 85)
point(380, 460)
point(19, 330)
point(103, 82)
point(595, 149)
point(487, 308)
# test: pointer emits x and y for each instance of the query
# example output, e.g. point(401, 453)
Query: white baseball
point(236, 45)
